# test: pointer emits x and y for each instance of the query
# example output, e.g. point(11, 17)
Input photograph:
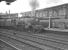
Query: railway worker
point(27, 26)
point(14, 33)
point(30, 27)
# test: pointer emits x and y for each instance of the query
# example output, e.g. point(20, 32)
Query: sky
point(24, 5)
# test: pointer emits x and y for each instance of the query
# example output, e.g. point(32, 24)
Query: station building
point(58, 15)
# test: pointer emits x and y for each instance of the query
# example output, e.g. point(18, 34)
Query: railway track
point(44, 41)
point(33, 43)
point(53, 37)
point(17, 44)
point(4, 46)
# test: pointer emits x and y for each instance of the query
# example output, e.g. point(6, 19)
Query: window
point(62, 11)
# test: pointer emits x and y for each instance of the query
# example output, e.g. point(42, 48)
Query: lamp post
point(49, 22)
